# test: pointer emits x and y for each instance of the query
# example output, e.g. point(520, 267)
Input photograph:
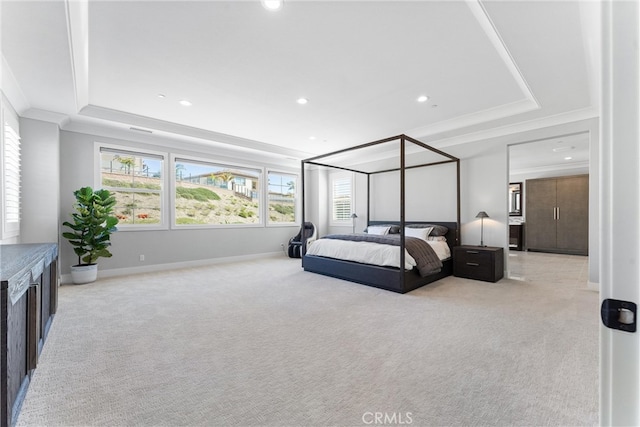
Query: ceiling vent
point(565, 148)
point(141, 130)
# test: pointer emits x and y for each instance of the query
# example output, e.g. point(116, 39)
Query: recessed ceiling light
point(423, 98)
point(568, 158)
point(185, 103)
point(302, 101)
point(272, 4)
point(312, 138)
point(161, 95)
point(434, 106)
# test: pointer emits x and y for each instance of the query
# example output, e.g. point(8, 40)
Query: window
point(10, 159)
point(341, 198)
point(283, 201)
point(137, 181)
point(208, 193)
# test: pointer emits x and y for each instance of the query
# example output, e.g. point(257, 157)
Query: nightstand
point(478, 262)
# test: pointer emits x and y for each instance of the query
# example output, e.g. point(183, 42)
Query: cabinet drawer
point(473, 256)
point(474, 270)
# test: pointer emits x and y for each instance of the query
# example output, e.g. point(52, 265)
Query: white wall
point(316, 199)
point(40, 150)
point(430, 194)
point(159, 247)
point(483, 182)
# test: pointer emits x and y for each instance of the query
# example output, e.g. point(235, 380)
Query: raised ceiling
point(486, 66)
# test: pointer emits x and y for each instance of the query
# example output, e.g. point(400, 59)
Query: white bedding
point(371, 253)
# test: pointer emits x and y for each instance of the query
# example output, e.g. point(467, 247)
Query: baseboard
point(118, 272)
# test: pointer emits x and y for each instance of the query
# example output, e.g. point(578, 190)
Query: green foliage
point(188, 221)
point(200, 194)
point(128, 163)
point(92, 224)
point(245, 213)
point(126, 184)
point(283, 209)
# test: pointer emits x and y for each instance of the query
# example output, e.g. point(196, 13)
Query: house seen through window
point(216, 194)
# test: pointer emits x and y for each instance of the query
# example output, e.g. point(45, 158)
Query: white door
point(620, 207)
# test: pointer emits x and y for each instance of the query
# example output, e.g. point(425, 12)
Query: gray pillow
point(438, 230)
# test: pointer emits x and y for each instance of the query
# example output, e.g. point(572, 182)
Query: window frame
point(297, 199)
point(8, 117)
point(333, 178)
point(164, 202)
point(215, 162)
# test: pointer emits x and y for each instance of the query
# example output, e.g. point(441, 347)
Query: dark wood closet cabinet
point(557, 212)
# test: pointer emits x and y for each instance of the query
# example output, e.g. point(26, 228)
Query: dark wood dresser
point(478, 262)
point(29, 299)
point(558, 215)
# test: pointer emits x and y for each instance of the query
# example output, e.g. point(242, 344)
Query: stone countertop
point(21, 265)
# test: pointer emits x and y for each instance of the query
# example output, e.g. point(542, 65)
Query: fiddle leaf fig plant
point(93, 223)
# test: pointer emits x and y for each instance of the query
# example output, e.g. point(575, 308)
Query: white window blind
point(341, 198)
point(12, 174)
point(11, 177)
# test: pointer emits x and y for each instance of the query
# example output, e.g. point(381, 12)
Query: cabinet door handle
point(473, 252)
point(555, 214)
point(558, 213)
point(473, 264)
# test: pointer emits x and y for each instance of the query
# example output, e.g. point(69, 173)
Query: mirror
point(515, 199)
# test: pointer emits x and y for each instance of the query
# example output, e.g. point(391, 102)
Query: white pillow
point(437, 239)
point(420, 233)
point(380, 231)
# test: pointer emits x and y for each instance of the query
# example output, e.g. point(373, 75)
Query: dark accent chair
point(296, 242)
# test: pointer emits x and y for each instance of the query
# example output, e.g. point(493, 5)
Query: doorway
point(558, 156)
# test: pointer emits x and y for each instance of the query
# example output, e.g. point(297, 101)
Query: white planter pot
point(81, 274)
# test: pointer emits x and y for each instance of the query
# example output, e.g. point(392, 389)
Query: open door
point(620, 212)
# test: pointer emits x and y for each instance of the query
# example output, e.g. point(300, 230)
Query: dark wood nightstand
point(478, 262)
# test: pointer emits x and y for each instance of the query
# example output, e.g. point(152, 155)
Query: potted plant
point(93, 223)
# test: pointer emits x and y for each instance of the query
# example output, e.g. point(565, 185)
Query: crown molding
point(12, 90)
point(77, 16)
point(519, 127)
point(46, 116)
point(182, 131)
point(103, 129)
point(550, 168)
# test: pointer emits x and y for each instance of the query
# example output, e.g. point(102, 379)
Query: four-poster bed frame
point(389, 278)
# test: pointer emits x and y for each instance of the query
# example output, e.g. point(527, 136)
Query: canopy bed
point(416, 251)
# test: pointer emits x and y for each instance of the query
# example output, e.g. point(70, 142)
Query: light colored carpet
point(265, 343)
